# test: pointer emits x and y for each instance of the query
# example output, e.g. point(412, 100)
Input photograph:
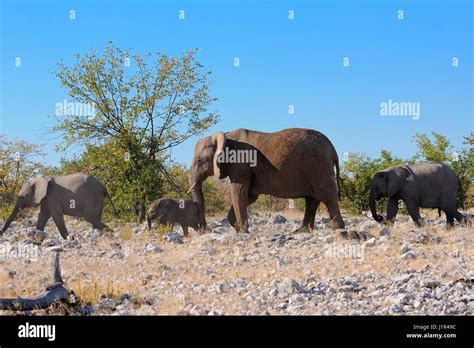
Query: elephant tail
point(111, 203)
point(338, 177)
point(462, 194)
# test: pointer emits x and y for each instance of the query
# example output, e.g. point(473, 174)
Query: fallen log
point(54, 292)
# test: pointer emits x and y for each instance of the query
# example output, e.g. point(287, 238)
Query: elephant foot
point(336, 223)
point(242, 228)
point(466, 222)
point(244, 231)
point(303, 229)
point(419, 223)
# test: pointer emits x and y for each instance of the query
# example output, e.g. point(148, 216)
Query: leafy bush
point(358, 170)
point(19, 161)
point(144, 106)
point(356, 176)
point(461, 161)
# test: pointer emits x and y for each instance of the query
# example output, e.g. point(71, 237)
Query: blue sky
point(282, 62)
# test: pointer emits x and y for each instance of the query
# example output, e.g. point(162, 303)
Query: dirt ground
point(366, 269)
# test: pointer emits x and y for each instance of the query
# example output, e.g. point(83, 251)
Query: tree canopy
point(144, 105)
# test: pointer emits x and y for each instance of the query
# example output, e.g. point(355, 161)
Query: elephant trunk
point(198, 197)
point(373, 205)
point(12, 217)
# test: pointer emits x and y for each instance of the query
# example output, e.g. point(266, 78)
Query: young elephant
point(425, 185)
point(171, 211)
point(77, 194)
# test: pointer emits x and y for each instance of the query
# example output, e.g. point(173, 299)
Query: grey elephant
point(77, 194)
point(171, 211)
point(291, 163)
point(425, 185)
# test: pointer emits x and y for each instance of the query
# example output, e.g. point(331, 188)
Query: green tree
point(19, 161)
point(438, 149)
point(461, 161)
point(356, 177)
point(144, 105)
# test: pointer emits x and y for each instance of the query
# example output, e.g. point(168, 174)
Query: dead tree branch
point(54, 292)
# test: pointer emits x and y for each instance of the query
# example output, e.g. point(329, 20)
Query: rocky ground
point(365, 269)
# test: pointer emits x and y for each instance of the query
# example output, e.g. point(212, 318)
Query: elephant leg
point(43, 218)
point(100, 226)
point(97, 224)
point(239, 198)
point(460, 217)
point(195, 227)
point(334, 212)
point(231, 215)
point(454, 214)
point(309, 215)
point(59, 221)
point(414, 212)
point(392, 209)
point(449, 219)
point(252, 199)
point(185, 230)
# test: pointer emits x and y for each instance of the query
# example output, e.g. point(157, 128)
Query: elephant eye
point(199, 161)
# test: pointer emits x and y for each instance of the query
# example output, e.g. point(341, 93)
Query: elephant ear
point(396, 179)
point(41, 189)
point(218, 139)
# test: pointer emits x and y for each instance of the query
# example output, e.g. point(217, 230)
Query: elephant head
point(30, 196)
point(205, 163)
point(386, 183)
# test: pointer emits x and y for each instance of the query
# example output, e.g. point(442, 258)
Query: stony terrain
point(365, 269)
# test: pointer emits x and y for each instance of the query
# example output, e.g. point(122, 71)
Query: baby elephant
point(425, 185)
point(171, 211)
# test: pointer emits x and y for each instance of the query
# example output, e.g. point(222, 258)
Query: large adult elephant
point(77, 194)
point(426, 185)
point(291, 163)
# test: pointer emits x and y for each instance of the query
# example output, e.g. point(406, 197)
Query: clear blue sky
point(282, 62)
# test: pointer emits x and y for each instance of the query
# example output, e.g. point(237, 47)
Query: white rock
point(278, 219)
point(417, 304)
point(329, 239)
point(173, 237)
point(430, 283)
point(405, 248)
point(370, 243)
point(410, 255)
point(394, 309)
point(151, 248)
point(384, 232)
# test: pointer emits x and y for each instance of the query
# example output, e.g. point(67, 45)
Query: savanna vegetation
point(146, 105)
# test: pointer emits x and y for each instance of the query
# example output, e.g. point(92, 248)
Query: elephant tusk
point(192, 186)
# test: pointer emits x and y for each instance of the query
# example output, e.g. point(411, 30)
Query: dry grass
point(91, 271)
